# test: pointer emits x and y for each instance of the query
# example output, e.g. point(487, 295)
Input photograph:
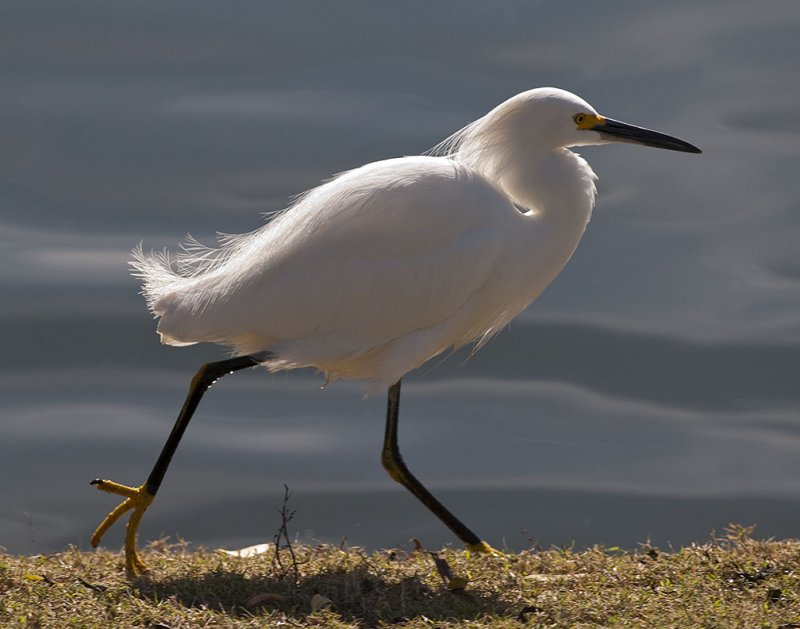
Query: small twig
point(287, 515)
point(91, 586)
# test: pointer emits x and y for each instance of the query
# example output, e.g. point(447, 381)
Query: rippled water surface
point(650, 393)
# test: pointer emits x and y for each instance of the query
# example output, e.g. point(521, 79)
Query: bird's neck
point(555, 189)
point(558, 189)
point(557, 193)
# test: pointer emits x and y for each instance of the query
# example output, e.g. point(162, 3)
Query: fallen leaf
point(456, 584)
point(442, 567)
point(451, 582)
point(319, 602)
point(250, 551)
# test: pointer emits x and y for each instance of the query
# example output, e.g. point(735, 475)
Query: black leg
point(207, 375)
point(398, 470)
point(139, 498)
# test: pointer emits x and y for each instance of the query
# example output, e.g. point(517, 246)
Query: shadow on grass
point(359, 595)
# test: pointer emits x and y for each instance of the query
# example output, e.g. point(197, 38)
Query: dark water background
point(651, 393)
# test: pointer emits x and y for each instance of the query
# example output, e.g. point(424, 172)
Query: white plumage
point(384, 267)
point(378, 270)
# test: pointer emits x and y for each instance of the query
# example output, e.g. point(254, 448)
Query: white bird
point(383, 267)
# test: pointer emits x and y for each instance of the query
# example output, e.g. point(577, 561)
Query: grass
point(735, 581)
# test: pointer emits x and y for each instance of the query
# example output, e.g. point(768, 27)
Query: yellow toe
point(136, 499)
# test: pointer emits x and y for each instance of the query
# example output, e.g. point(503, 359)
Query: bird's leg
point(139, 498)
point(394, 464)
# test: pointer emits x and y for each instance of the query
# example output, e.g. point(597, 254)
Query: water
point(650, 394)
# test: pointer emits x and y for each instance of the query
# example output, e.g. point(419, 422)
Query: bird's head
point(554, 118)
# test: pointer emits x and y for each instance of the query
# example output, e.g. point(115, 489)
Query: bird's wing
point(374, 255)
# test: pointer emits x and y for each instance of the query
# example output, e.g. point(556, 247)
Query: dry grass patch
point(732, 582)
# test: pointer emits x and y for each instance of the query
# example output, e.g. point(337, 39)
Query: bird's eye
point(579, 118)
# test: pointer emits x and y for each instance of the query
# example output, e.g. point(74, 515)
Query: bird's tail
point(169, 285)
point(154, 269)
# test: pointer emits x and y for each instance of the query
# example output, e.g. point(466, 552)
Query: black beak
point(616, 131)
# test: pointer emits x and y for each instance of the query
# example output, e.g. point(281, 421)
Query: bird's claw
point(136, 498)
point(483, 548)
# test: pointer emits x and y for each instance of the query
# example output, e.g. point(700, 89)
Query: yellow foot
point(483, 548)
point(136, 498)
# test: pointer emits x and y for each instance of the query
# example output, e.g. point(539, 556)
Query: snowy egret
point(383, 267)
